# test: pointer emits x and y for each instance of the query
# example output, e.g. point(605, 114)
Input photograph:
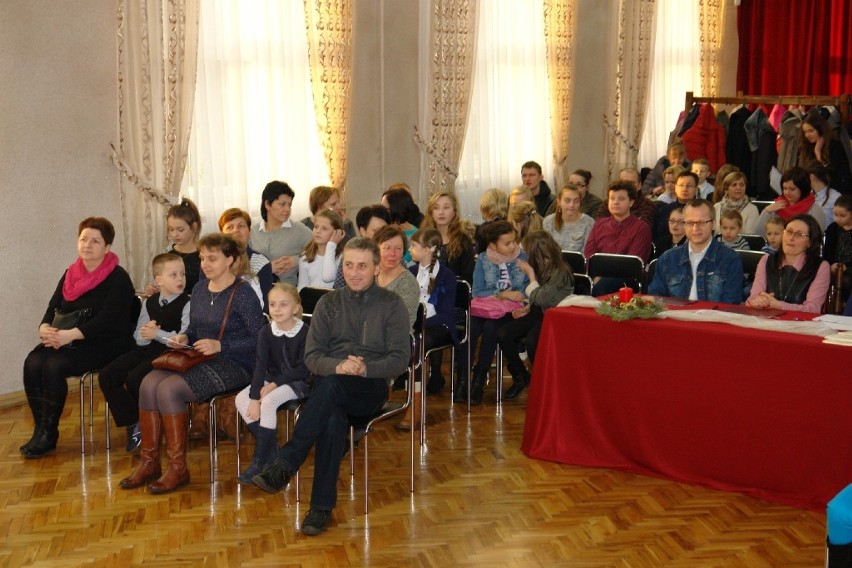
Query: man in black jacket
point(357, 342)
point(534, 181)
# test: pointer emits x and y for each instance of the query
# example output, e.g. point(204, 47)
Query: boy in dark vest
point(163, 315)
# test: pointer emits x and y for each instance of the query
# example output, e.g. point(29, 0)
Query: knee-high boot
point(198, 427)
point(45, 442)
point(839, 555)
point(177, 474)
point(148, 467)
point(35, 400)
point(477, 386)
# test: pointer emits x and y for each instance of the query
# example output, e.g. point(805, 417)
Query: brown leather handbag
point(185, 358)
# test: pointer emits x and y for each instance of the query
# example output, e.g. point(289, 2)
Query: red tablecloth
point(763, 413)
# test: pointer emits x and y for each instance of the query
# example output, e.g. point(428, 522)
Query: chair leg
point(211, 438)
point(106, 423)
point(499, 375)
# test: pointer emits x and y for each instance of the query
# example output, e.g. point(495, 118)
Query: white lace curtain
point(254, 117)
point(508, 122)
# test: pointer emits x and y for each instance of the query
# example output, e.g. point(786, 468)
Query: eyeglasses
point(675, 222)
point(796, 234)
point(580, 184)
point(391, 248)
point(693, 224)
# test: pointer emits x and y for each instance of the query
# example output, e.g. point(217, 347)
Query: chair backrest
point(310, 297)
point(582, 285)
point(761, 205)
point(652, 269)
point(755, 242)
point(464, 295)
point(750, 260)
point(626, 266)
point(575, 260)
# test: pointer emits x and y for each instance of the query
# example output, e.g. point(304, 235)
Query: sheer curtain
point(254, 116)
point(676, 64)
point(508, 122)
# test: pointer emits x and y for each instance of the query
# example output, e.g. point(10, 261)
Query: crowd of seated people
point(232, 299)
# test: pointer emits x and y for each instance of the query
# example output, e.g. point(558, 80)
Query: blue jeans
point(325, 422)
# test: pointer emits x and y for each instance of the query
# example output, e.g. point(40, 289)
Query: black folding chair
point(627, 267)
point(755, 242)
point(582, 284)
point(750, 260)
point(575, 260)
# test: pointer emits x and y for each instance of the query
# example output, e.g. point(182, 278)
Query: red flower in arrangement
point(637, 308)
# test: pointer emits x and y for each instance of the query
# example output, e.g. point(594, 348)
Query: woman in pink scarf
point(102, 290)
point(797, 199)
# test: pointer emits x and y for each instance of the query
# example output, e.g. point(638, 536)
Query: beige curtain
point(711, 26)
point(559, 26)
point(452, 52)
point(329, 30)
point(626, 118)
point(157, 49)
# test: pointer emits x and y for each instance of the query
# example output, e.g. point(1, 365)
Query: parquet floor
point(478, 502)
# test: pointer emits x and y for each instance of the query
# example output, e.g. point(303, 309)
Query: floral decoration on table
point(625, 306)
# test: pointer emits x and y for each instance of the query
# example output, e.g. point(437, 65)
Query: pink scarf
point(78, 280)
point(801, 206)
point(498, 258)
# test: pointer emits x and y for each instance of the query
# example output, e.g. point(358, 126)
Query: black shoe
point(45, 443)
point(460, 393)
point(134, 438)
point(399, 382)
point(316, 522)
point(519, 382)
point(273, 478)
point(478, 386)
point(435, 384)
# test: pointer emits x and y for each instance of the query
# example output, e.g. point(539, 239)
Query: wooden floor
point(478, 502)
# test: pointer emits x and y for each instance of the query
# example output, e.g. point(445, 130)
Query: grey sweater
point(372, 324)
point(286, 241)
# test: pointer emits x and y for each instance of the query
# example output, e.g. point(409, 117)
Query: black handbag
point(71, 319)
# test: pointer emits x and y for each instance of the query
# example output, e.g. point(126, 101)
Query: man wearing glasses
point(686, 189)
point(704, 269)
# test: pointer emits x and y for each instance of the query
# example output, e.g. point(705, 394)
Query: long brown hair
point(458, 233)
point(312, 248)
point(557, 218)
point(544, 255)
point(525, 217)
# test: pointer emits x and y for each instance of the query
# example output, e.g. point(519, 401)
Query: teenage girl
point(183, 223)
point(525, 218)
point(456, 247)
point(280, 374)
point(318, 264)
point(437, 285)
point(497, 274)
point(551, 280)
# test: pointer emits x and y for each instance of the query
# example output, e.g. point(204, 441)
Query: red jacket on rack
point(706, 138)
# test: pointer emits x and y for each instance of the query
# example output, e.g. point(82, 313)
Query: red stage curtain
point(793, 47)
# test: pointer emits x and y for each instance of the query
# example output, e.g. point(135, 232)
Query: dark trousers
point(487, 329)
point(509, 336)
point(120, 380)
point(325, 422)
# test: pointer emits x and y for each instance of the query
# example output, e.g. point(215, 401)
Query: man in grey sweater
point(357, 342)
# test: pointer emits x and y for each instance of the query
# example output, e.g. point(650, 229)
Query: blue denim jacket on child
point(486, 274)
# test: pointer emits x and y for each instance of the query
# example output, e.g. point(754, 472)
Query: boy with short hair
point(163, 315)
point(774, 229)
point(701, 168)
point(730, 225)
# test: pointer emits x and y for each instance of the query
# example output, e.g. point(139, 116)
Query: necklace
point(219, 293)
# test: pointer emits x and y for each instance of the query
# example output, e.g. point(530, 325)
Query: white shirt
point(423, 278)
point(695, 259)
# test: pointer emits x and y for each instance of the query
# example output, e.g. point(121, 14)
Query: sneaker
point(273, 478)
point(134, 438)
point(316, 522)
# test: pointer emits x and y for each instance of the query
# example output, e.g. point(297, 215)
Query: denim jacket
point(486, 273)
point(719, 274)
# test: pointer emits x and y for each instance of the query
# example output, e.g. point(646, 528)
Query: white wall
point(58, 114)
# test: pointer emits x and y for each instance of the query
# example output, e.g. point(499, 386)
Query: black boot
point(520, 379)
point(264, 448)
point(45, 443)
point(460, 392)
point(480, 376)
point(35, 400)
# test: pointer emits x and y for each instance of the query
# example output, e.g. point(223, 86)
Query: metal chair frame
point(627, 266)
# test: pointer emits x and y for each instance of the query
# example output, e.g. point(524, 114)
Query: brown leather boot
point(226, 418)
point(177, 475)
point(198, 428)
point(412, 416)
point(148, 467)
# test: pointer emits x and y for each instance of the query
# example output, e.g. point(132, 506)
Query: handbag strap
point(237, 284)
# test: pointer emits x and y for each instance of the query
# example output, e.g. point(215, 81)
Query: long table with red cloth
point(763, 413)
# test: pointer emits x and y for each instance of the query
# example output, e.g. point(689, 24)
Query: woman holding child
point(223, 297)
point(88, 323)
